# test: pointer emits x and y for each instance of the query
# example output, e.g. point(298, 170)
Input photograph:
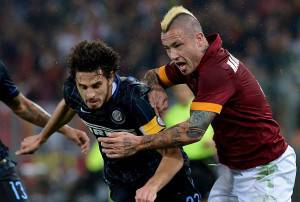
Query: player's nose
point(173, 55)
point(90, 94)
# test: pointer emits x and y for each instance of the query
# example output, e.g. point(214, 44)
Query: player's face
point(184, 49)
point(94, 88)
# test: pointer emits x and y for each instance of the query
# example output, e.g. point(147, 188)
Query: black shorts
point(181, 192)
point(11, 188)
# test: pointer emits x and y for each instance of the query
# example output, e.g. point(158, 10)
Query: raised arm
point(151, 78)
point(170, 164)
point(61, 116)
point(157, 96)
point(125, 144)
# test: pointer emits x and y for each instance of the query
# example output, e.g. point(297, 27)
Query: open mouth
point(181, 66)
point(93, 101)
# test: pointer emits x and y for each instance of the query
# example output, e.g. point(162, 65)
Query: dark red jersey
point(246, 134)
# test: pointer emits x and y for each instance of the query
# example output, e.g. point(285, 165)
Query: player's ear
point(200, 38)
point(111, 77)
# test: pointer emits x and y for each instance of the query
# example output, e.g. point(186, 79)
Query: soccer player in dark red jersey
point(258, 163)
point(11, 188)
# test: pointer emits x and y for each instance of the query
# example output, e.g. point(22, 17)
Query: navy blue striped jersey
point(8, 91)
point(127, 110)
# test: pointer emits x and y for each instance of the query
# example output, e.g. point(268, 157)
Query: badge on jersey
point(117, 116)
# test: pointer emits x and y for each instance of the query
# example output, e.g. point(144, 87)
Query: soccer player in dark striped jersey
point(107, 103)
point(11, 187)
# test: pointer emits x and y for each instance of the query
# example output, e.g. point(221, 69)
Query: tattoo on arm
point(35, 114)
point(174, 136)
point(151, 78)
point(180, 134)
point(199, 122)
point(29, 111)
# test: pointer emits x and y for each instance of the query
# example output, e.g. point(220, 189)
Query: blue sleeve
point(71, 94)
point(142, 110)
point(8, 90)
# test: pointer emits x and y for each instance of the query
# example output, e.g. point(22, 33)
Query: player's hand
point(80, 138)
point(146, 194)
point(30, 144)
point(120, 144)
point(158, 99)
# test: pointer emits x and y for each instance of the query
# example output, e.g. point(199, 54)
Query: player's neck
point(111, 90)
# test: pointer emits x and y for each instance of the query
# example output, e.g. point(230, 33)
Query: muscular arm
point(62, 115)
point(30, 111)
point(181, 134)
point(124, 144)
point(157, 96)
point(151, 78)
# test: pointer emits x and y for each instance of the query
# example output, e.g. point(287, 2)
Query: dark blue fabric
point(127, 110)
point(8, 91)
point(134, 169)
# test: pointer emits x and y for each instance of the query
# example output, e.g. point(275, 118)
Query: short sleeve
point(8, 90)
point(67, 88)
point(215, 88)
point(71, 95)
point(170, 75)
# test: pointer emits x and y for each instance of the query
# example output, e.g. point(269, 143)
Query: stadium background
point(36, 36)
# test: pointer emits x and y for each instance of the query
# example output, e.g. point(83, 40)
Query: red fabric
point(246, 135)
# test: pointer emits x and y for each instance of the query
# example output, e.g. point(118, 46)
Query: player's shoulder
point(2, 66)
point(133, 87)
point(223, 63)
point(3, 69)
point(70, 91)
point(69, 84)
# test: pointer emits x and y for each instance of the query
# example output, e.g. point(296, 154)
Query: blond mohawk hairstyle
point(172, 14)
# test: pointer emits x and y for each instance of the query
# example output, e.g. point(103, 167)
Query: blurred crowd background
point(36, 37)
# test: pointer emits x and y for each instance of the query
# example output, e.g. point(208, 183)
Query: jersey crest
point(117, 116)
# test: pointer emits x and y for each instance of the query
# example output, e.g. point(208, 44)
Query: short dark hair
point(89, 56)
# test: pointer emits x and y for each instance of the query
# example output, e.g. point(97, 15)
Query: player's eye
point(96, 85)
point(177, 45)
point(83, 87)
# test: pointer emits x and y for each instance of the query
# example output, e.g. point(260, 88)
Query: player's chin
point(186, 71)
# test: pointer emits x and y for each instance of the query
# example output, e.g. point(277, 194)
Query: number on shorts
point(196, 198)
point(18, 190)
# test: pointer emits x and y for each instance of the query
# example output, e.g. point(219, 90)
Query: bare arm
point(151, 78)
point(181, 134)
point(62, 115)
point(125, 144)
point(157, 96)
point(170, 164)
point(30, 111)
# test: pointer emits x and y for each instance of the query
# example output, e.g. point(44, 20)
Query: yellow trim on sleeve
point(152, 127)
point(163, 76)
point(206, 106)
